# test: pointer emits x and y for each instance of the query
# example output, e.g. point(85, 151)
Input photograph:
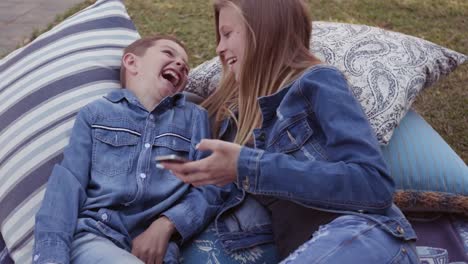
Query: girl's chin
point(234, 73)
point(236, 76)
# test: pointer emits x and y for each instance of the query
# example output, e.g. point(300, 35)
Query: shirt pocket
point(114, 150)
point(298, 139)
point(172, 143)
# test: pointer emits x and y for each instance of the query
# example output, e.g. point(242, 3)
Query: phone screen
point(171, 158)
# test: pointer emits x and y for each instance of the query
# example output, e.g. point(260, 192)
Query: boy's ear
point(129, 62)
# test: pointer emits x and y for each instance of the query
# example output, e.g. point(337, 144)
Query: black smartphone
point(171, 158)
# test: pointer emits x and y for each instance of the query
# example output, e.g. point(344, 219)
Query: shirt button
point(245, 184)
point(142, 175)
point(151, 117)
point(147, 145)
point(104, 217)
point(36, 257)
point(262, 136)
point(400, 230)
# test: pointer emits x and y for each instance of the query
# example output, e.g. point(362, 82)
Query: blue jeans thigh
point(91, 249)
point(353, 239)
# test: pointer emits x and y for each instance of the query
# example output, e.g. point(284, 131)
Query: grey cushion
point(385, 69)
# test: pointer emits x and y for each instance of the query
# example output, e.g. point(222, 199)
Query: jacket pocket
point(113, 150)
point(172, 143)
point(298, 139)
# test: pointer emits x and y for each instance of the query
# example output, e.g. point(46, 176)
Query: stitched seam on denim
point(302, 148)
point(107, 172)
point(285, 127)
point(319, 150)
point(89, 115)
point(290, 197)
point(313, 70)
point(398, 256)
point(257, 168)
point(174, 135)
point(307, 101)
point(347, 242)
point(194, 155)
point(121, 129)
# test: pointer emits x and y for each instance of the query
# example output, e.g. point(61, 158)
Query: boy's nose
point(181, 66)
point(179, 63)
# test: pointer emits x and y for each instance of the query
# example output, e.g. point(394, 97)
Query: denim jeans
point(89, 248)
point(353, 239)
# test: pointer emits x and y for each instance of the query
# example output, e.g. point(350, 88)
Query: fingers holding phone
point(171, 158)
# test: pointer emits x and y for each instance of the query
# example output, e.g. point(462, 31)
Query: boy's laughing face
point(163, 69)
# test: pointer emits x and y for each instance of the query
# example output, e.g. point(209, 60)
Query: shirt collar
point(117, 95)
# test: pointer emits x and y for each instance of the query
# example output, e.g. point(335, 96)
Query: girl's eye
point(227, 34)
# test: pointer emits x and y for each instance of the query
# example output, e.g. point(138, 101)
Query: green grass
point(444, 22)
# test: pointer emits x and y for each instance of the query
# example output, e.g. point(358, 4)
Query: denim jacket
point(315, 148)
point(108, 183)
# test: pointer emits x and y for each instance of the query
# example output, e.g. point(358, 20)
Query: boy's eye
point(168, 52)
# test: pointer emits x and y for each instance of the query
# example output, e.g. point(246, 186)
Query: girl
point(301, 146)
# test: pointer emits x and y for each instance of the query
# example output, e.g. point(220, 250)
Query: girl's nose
point(220, 48)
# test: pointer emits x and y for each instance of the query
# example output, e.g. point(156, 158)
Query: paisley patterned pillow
point(385, 69)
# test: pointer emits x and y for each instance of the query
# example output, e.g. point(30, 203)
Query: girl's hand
point(220, 168)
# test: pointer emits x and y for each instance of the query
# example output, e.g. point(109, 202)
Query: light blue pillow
point(429, 175)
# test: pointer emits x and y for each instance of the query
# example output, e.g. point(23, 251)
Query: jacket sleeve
point(65, 194)
point(199, 206)
point(354, 178)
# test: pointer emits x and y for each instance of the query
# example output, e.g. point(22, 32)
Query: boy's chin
point(168, 92)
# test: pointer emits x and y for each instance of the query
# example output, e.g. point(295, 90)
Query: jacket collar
point(117, 95)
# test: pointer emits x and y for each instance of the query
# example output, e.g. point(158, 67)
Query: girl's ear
point(129, 61)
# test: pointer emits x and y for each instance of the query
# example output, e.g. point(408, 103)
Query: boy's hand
point(151, 245)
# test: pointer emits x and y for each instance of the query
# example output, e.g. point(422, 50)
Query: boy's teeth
point(173, 74)
point(232, 61)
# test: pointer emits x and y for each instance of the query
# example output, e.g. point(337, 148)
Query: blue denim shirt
point(108, 183)
point(315, 148)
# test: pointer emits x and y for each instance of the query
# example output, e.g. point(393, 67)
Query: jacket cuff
point(50, 252)
point(184, 220)
point(248, 168)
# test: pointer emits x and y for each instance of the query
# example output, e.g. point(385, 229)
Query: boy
point(107, 201)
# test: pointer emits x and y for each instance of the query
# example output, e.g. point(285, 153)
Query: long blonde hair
point(276, 52)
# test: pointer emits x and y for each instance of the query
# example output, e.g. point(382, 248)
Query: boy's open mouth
point(172, 76)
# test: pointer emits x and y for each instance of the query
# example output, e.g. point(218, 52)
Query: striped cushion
point(42, 86)
point(4, 256)
point(429, 175)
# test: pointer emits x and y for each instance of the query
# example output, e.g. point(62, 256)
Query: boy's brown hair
point(139, 47)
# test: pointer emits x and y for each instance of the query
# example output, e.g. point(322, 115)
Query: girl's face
point(231, 46)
